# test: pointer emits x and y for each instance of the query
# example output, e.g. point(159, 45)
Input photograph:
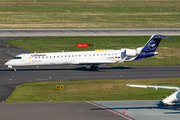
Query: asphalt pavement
point(55, 110)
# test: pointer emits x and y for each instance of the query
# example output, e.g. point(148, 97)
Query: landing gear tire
point(94, 68)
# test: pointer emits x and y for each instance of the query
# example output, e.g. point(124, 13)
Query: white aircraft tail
point(169, 100)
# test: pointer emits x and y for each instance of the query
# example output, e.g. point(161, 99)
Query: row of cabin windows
point(75, 55)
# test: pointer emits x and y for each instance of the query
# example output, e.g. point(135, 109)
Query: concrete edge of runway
point(88, 32)
point(94, 29)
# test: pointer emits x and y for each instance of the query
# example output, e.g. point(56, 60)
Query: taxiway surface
point(88, 110)
point(55, 110)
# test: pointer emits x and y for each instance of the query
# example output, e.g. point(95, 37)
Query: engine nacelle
point(138, 50)
point(130, 52)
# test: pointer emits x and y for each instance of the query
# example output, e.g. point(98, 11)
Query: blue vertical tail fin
point(153, 43)
point(150, 47)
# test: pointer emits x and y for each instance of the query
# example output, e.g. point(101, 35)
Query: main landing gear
point(94, 68)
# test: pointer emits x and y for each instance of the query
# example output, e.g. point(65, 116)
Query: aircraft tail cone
point(124, 111)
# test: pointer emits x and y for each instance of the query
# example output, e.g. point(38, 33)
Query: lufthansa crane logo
point(152, 45)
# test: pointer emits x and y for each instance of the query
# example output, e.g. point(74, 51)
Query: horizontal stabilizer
point(161, 37)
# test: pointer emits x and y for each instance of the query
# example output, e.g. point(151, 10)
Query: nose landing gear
point(14, 69)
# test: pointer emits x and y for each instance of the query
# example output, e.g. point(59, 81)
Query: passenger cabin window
point(108, 54)
point(61, 56)
point(57, 56)
point(115, 53)
point(75, 55)
point(93, 54)
point(54, 56)
point(50, 57)
point(97, 54)
point(72, 55)
point(46, 56)
point(79, 55)
point(17, 58)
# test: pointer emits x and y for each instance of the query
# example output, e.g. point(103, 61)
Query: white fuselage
point(82, 58)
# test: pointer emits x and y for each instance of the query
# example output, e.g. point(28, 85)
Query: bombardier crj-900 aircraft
point(91, 58)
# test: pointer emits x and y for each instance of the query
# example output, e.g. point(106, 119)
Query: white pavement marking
point(109, 110)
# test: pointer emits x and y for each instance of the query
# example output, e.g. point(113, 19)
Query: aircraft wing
point(96, 62)
point(154, 87)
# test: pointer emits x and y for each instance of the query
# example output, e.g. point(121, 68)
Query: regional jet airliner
point(91, 58)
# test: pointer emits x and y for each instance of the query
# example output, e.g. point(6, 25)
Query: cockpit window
point(17, 58)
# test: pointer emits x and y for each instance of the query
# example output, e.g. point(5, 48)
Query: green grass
point(99, 14)
point(91, 90)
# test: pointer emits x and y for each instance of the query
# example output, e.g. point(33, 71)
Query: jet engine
point(130, 52)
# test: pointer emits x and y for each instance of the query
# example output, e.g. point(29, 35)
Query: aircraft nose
point(6, 63)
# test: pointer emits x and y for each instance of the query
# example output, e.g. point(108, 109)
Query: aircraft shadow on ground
point(77, 68)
